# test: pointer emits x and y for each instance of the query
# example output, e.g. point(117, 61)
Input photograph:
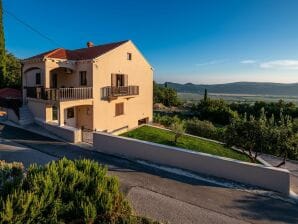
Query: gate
point(87, 135)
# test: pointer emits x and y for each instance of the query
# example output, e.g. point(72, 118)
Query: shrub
point(11, 175)
point(204, 129)
point(67, 191)
point(200, 128)
point(165, 120)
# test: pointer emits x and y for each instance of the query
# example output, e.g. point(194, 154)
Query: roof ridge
point(53, 51)
point(118, 42)
point(81, 53)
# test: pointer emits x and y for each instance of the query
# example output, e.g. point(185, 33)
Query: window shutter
point(113, 80)
point(125, 80)
point(119, 109)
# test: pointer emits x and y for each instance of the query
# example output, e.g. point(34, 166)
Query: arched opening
point(62, 77)
point(33, 77)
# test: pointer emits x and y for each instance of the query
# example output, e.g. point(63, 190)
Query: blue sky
point(195, 41)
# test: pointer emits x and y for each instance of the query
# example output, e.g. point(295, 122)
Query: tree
point(217, 111)
point(165, 95)
point(178, 128)
point(285, 140)
point(205, 95)
point(2, 50)
point(295, 125)
point(13, 66)
point(249, 134)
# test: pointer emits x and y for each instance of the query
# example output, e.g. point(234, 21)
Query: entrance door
point(54, 80)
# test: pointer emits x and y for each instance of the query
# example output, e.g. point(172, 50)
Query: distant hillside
point(255, 88)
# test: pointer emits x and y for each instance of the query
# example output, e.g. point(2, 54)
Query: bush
point(204, 129)
point(11, 175)
point(165, 120)
point(67, 191)
point(200, 128)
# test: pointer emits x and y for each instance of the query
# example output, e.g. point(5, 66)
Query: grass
point(157, 135)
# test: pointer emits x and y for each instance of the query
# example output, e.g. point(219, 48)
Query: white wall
point(270, 178)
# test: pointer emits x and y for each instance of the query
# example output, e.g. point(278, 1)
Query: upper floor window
point(129, 56)
point(83, 78)
point(37, 79)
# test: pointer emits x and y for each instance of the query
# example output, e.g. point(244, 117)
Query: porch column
point(61, 116)
point(47, 74)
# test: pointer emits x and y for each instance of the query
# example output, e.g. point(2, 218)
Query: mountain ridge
point(254, 88)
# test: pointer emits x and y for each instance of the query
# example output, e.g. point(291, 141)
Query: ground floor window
point(54, 113)
point(143, 121)
point(119, 109)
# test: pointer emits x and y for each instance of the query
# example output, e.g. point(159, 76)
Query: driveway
point(161, 195)
point(11, 151)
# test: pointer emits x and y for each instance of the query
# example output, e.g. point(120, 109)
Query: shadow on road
point(265, 208)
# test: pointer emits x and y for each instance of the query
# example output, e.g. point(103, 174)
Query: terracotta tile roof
point(10, 93)
point(78, 54)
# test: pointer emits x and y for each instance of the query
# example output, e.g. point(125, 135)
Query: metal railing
point(116, 91)
point(60, 94)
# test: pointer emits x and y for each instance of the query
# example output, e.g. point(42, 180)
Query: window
point(119, 109)
point(54, 113)
point(129, 56)
point(37, 79)
point(83, 78)
point(119, 80)
point(70, 113)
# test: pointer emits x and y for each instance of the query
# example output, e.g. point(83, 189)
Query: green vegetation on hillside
point(157, 135)
point(165, 95)
point(63, 191)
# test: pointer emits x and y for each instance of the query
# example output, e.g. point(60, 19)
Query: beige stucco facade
point(90, 109)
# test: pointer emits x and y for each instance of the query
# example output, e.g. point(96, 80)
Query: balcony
point(113, 92)
point(61, 94)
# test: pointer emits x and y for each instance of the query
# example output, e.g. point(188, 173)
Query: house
point(103, 88)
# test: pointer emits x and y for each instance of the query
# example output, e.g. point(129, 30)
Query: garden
point(167, 137)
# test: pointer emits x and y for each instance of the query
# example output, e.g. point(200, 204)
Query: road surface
point(154, 193)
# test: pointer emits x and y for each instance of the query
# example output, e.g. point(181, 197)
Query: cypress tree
point(2, 50)
point(205, 95)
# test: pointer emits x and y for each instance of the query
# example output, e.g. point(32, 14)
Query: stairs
point(26, 116)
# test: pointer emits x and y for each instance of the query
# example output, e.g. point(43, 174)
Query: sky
point(211, 41)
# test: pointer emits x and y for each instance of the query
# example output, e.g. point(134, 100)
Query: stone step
point(26, 116)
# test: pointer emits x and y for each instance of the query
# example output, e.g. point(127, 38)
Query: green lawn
point(151, 134)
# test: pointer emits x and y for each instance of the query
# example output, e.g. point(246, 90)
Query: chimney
point(90, 44)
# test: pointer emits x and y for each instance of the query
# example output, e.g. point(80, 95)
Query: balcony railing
point(61, 94)
point(117, 91)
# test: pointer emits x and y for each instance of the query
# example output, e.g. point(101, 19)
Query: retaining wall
point(270, 178)
point(67, 133)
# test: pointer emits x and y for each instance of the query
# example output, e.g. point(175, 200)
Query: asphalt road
point(154, 193)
